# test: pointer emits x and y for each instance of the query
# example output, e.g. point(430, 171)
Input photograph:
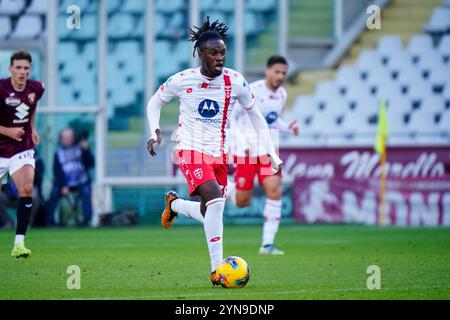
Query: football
point(233, 272)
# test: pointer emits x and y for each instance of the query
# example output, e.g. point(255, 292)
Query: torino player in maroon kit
point(18, 137)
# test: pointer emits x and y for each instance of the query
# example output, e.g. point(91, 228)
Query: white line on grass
point(240, 294)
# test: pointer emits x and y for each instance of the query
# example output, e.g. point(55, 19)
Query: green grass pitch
point(321, 262)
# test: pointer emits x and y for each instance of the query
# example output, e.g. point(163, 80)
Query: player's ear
point(201, 54)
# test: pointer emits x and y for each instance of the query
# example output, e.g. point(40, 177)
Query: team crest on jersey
point(208, 108)
point(198, 173)
point(228, 91)
point(32, 97)
point(12, 102)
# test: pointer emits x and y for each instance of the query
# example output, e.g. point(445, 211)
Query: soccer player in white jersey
point(207, 96)
point(250, 157)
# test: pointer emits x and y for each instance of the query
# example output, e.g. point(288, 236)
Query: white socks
point(231, 191)
point(272, 216)
point(213, 226)
point(19, 238)
point(190, 209)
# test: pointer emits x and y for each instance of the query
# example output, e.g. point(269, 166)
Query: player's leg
point(190, 209)
point(212, 206)
point(272, 213)
point(241, 192)
point(23, 178)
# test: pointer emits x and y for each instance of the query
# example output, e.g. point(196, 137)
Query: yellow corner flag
point(382, 130)
point(380, 147)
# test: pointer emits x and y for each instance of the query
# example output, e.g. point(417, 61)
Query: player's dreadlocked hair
point(208, 31)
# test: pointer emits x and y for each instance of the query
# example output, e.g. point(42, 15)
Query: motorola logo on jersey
point(271, 117)
point(208, 108)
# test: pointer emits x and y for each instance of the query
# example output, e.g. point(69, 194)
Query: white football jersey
point(271, 104)
point(205, 107)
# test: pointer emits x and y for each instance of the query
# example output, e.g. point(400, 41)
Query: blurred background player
point(18, 137)
point(249, 153)
point(71, 165)
point(207, 96)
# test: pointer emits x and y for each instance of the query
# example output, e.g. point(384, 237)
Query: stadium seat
point(444, 48)
point(82, 4)
point(261, 5)
point(183, 52)
point(12, 7)
point(407, 75)
point(400, 104)
point(399, 60)
point(430, 61)
point(88, 30)
point(389, 45)
point(225, 6)
point(439, 77)
point(38, 7)
point(422, 125)
point(207, 5)
point(114, 5)
point(134, 6)
point(5, 26)
point(159, 24)
point(444, 124)
point(171, 6)
point(327, 89)
point(420, 45)
point(356, 91)
point(368, 60)
point(65, 95)
point(366, 104)
point(386, 90)
point(336, 106)
point(324, 123)
point(120, 25)
point(433, 104)
point(446, 95)
point(346, 76)
point(67, 52)
point(306, 104)
point(357, 122)
point(417, 91)
point(439, 21)
point(28, 27)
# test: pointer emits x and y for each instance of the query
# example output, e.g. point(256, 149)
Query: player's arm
point(292, 128)
point(34, 133)
point(260, 125)
point(164, 94)
point(153, 116)
point(15, 133)
point(247, 100)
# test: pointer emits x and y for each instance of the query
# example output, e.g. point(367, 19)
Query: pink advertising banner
point(342, 185)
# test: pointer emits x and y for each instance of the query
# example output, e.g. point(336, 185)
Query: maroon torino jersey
point(16, 110)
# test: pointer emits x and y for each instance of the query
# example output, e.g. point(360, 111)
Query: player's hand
point(35, 137)
point(15, 133)
point(151, 143)
point(276, 163)
point(294, 128)
point(65, 191)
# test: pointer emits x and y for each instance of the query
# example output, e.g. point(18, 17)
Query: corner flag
point(382, 129)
